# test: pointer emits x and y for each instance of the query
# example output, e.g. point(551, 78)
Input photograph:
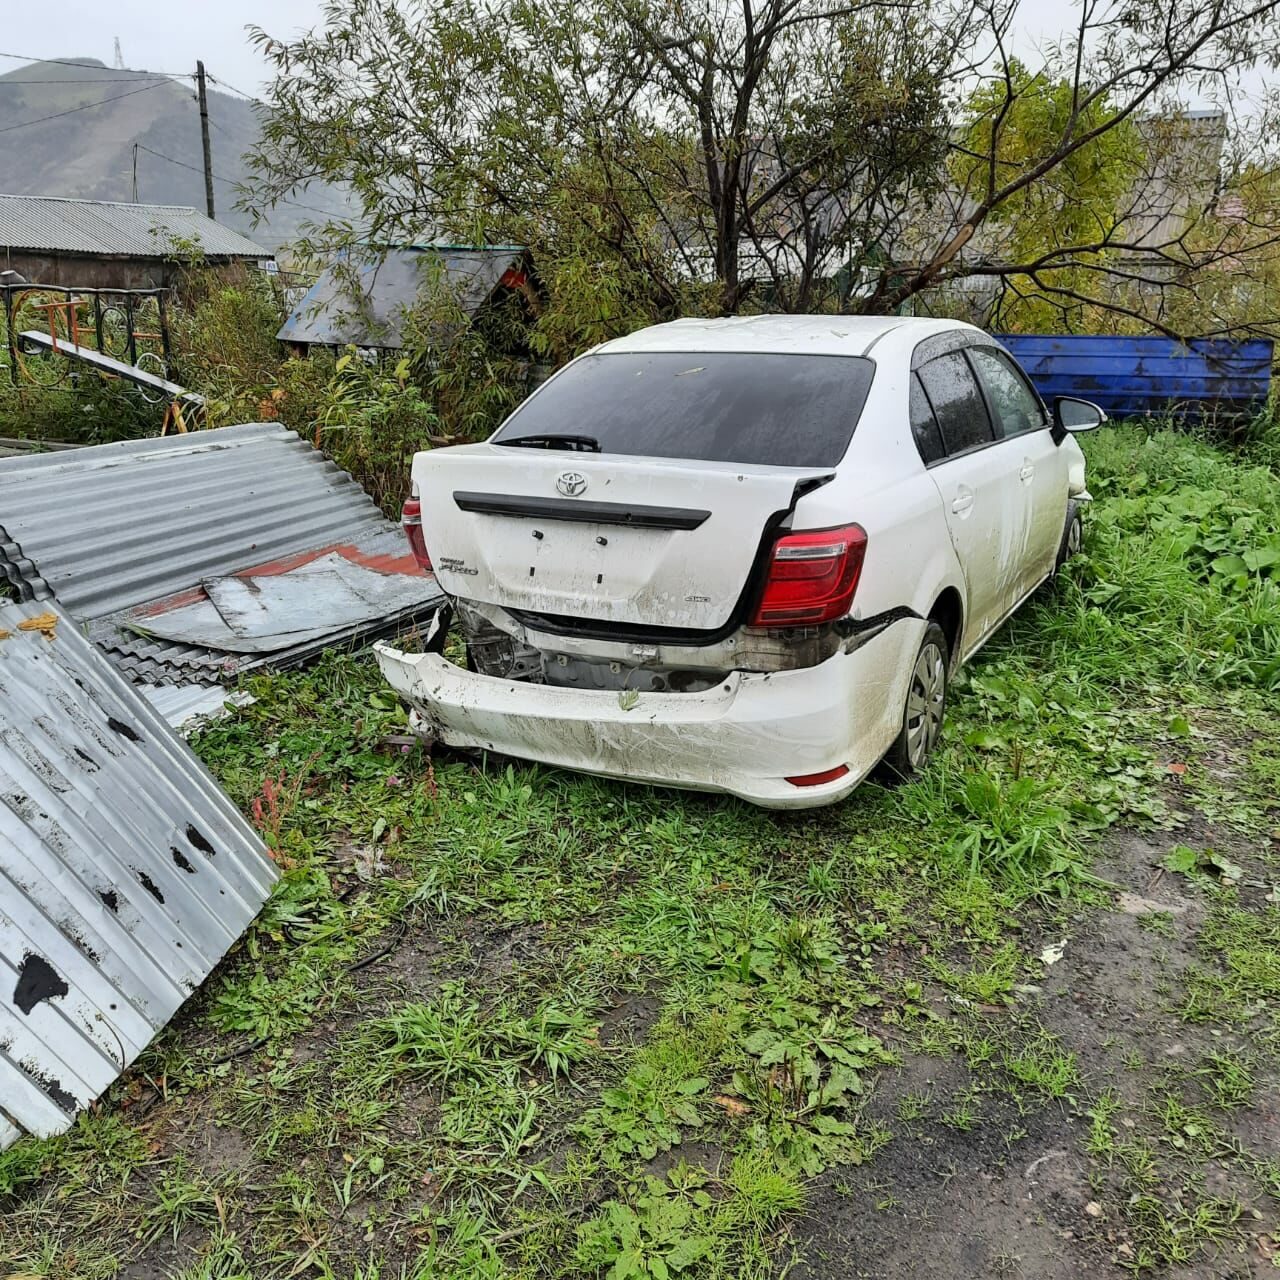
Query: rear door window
point(957, 402)
point(924, 426)
point(1017, 408)
point(715, 406)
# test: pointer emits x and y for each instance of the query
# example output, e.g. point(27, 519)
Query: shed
point(105, 244)
point(362, 297)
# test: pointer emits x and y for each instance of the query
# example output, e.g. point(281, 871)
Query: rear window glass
point(777, 410)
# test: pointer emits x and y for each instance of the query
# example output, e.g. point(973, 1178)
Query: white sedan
point(740, 555)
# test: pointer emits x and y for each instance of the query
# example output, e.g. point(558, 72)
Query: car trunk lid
point(649, 542)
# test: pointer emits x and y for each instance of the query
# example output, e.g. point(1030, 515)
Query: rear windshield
point(779, 410)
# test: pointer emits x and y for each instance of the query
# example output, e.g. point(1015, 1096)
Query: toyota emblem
point(571, 483)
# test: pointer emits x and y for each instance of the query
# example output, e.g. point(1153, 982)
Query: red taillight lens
point(812, 577)
point(817, 779)
point(411, 523)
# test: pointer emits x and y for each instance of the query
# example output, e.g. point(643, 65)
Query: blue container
point(1149, 377)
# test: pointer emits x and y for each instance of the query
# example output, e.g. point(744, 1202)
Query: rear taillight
point(411, 522)
point(812, 577)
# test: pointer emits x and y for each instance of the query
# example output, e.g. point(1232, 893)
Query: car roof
point(784, 334)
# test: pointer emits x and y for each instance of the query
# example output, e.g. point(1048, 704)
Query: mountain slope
point(87, 149)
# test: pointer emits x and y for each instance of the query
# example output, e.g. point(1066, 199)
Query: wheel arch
point(948, 613)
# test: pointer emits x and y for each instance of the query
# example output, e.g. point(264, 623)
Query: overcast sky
point(158, 35)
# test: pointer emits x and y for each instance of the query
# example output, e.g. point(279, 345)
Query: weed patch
point(413, 1039)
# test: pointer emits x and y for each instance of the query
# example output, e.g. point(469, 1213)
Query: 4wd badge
point(571, 483)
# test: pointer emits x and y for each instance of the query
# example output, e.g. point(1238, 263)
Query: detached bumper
point(745, 737)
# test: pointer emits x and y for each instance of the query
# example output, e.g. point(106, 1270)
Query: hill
point(98, 112)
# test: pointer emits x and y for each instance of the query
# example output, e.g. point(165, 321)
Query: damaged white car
point(740, 555)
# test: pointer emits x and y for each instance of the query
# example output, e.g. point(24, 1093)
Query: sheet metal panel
point(146, 660)
point(332, 314)
point(125, 873)
point(63, 225)
point(1149, 376)
point(115, 525)
point(186, 707)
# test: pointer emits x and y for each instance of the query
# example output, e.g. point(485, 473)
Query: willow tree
point(711, 156)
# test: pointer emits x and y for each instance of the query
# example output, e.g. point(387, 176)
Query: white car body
point(621, 648)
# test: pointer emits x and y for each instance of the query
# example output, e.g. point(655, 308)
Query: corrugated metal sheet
point(108, 529)
point(125, 873)
point(363, 300)
point(1139, 377)
point(118, 524)
point(59, 225)
point(187, 706)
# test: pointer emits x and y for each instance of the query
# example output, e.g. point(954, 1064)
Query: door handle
point(962, 504)
point(1028, 470)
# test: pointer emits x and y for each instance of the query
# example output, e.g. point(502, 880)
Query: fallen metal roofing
point(363, 299)
point(151, 542)
point(125, 873)
point(115, 229)
point(186, 707)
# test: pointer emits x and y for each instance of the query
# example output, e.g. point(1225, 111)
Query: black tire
point(1072, 535)
point(925, 706)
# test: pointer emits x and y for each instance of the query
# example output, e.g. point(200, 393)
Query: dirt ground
point(1017, 1195)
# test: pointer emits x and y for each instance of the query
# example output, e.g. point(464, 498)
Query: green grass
point(464, 1104)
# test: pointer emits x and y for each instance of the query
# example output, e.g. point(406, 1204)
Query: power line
point(247, 96)
point(94, 66)
point(57, 115)
point(231, 182)
point(133, 79)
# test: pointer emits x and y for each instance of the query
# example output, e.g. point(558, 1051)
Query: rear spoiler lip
point(631, 514)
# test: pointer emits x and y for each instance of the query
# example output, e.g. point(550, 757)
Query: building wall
point(84, 272)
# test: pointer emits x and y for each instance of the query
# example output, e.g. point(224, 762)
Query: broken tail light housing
point(411, 523)
point(812, 577)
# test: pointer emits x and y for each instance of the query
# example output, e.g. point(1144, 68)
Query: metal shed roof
point(333, 313)
point(125, 872)
point(106, 228)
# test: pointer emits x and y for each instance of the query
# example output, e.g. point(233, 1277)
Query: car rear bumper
point(745, 737)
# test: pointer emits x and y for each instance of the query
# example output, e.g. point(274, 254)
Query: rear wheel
point(924, 708)
point(1072, 535)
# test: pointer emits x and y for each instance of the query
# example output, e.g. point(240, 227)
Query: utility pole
point(135, 173)
point(204, 138)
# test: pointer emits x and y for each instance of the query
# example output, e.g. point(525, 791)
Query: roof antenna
point(119, 56)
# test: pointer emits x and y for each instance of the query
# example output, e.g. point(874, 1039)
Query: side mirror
point(1071, 414)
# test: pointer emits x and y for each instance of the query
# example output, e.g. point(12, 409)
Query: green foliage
point(595, 154)
point(372, 419)
point(223, 330)
point(656, 1238)
point(81, 410)
point(691, 1223)
point(661, 1094)
point(1014, 123)
point(451, 1038)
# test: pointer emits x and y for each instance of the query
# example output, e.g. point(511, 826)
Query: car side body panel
point(883, 486)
